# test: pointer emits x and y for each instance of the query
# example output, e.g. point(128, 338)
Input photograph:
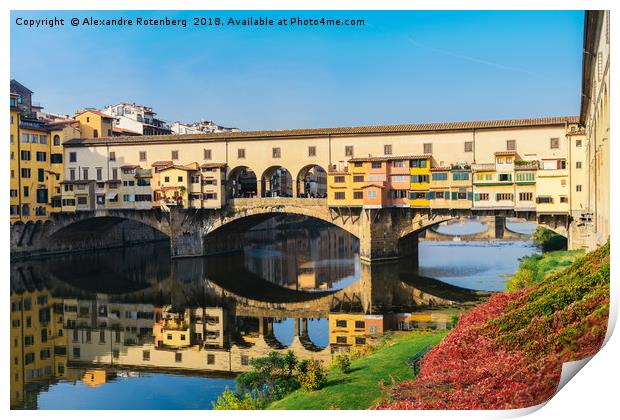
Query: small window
point(469, 146)
point(578, 188)
point(360, 340)
point(146, 355)
point(554, 143)
point(178, 357)
point(428, 148)
point(73, 157)
point(577, 143)
point(511, 145)
point(275, 152)
point(339, 179)
point(175, 155)
point(372, 194)
point(112, 156)
point(142, 156)
point(358, 195)
point(76, 352)
point(387, 149)
point(358, 178)
point(578, 165)
point(210, 359)
point(207, 154)
point(348, 150)
point(241, 153)
point(375, 165)
point(245, 360)
point(563, 199)
point(311, 151)
point(339, 195)
point(341, 323)
point(341, 340)
point(360, 324)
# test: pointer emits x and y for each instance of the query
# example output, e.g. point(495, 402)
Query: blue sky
point(400, 67)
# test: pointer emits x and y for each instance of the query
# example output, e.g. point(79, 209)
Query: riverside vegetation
point(505, 353)
point(508, 352)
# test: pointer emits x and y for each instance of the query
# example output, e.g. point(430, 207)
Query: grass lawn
point(534, 268)
point(359, 389)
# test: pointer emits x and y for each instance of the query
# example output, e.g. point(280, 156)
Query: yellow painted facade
point(420, 171)
point(38, 341)
point(347, 329)
point(94, 124)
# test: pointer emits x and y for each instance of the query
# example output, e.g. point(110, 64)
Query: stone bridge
point(384, 234)
point(495, 228)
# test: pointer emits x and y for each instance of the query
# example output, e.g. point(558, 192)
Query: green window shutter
point(476, 197)
point(454, 195)
point(470, 195)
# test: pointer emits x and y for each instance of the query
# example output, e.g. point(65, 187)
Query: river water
point(131, 329)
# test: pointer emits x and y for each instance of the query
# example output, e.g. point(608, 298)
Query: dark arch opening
point(312, 182)
point(107, 231)
point(277, 182)
point(242, 183)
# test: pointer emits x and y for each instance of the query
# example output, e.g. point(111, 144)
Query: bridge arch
point(277, 181)
point(249, 212)
point(242, 182)
point(311, 181)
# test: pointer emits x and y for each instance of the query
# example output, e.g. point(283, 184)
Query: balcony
point(483, 167)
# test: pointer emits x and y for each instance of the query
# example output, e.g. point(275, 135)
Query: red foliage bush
point(485, 364)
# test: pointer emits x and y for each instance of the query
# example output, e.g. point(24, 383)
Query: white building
point(136, 118)
point(200, 127)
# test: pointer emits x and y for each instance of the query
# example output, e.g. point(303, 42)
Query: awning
point(111, 196)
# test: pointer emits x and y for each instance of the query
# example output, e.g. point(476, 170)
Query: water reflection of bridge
point(136, 309)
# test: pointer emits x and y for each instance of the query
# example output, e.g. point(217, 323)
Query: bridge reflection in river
point(296, 286)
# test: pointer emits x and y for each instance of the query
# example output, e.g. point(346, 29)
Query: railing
point(276, 201)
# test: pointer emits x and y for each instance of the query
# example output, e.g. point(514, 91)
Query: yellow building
point(344, 187)
point(420, 171)
point(38, 341)
point(493, 184)
point(176, 185)
point(525, 186)
point(347, 329)
point(15, 186)
point(451, 187)
point(595, 117)
point(94, 124)
point(172, 329)
point(552, 187)
point(36, 160)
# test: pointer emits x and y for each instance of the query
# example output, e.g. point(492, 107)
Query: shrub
point(230, 400)
point(343, 363)
point(311, 375)
point(271, 377)
point(549, 240)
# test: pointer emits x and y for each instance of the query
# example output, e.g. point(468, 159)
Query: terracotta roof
point(125, 130)
point(388, 158)
point(213, 165)
point(441, 168)
point(181, 167)
point(506, 153)
point(162, 163)
point(95, 111)
point(372, 184)
point(305, 132)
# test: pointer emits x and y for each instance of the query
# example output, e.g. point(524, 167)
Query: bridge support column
point(497, 226)
point(296, 328)
point(379, 236)
point(304, 327)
